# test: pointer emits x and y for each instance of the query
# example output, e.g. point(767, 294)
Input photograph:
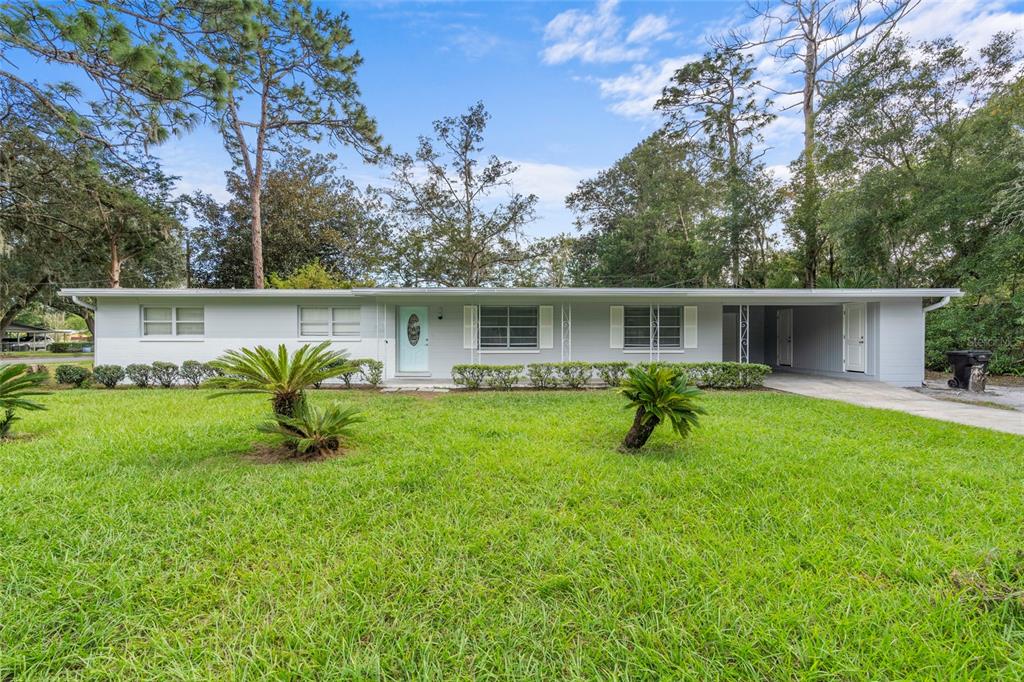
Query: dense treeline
point(911, 171)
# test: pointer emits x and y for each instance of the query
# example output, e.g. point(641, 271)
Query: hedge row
point(191, 372)
point(579, 374)
point(67, 346)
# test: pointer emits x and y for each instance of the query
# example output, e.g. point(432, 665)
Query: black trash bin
point(962, 361)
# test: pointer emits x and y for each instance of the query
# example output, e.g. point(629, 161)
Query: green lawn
point(491, 536)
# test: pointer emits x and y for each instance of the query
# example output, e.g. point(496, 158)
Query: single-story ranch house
point(872, 334)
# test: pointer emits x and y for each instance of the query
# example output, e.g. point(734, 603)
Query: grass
point(485, 536)
point(43, 355)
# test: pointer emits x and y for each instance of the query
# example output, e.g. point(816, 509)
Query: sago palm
point(16, 384)
point(659, 394)
point(283, 375)
point(314, 431)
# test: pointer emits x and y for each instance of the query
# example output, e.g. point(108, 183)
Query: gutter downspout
point(935, 306)
point(88, 306)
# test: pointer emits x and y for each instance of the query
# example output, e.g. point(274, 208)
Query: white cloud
point(196, 172)
point(649, 27)
point(635, 93)
point(596, 37)
point(972, 22)
point(780, 172)
point(473, 42)
point(551, 183)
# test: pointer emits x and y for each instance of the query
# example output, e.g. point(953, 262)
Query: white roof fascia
point(601, 292)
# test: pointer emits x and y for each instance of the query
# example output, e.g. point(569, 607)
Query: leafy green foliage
point(72, 375)
point(66, 347)
point(504, 377)
point(573, 374)
point(194, 372)
point(165, 373)
point(293, 81)
point(658, 394)
point(542, 375)
point(720, 374)
point(611, 373)
point(714, 104)
point(576, 374)
point(139, 374)
point(314, 275)
point(978, 322)
point(470, 376)
point(315, 431)
point(108, 375)
point(322, 231)
point(372, 371)
point(282, 374)
point(456, 231)
point(17, 383)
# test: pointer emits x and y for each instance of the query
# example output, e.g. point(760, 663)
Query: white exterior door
point(784, 336)
point(413, 339)
point(855, 330)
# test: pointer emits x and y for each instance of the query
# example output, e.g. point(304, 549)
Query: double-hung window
point(508, 326)
point(173, 321)
point(653, 326)
point(342, 323)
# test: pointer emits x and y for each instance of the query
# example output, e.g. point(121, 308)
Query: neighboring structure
point(875, 334)
point(23, 337)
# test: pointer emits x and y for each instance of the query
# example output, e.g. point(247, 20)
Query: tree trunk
point(639, 432)
point(115, 264)
point(257, 238)
point(287, 404)
point(7, 317)
point(809, 199)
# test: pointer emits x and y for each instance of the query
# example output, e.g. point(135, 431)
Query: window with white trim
point(665, 322)
point(508, 326)
point(339, 322)
point(173, 321)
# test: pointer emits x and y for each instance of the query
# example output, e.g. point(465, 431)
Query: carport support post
point(744, 353)
point(566, 329)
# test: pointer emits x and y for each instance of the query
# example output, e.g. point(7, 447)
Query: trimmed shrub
point(165, 373)
point(139, 374)
point(611, 373)
point(503, 377)
point(573, 374)
point(73, 375)
point(542, 375)
point(720, 374)
point(195, 372)
point(372, 371)
point(66, 346)
point(350, 372)
point(469, 376)
point(108, 375)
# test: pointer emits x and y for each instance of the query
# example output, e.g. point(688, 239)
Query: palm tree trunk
point(639, 432)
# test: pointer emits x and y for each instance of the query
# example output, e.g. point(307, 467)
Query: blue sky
point(569, 85)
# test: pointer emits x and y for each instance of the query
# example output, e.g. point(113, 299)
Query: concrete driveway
point(887, 397)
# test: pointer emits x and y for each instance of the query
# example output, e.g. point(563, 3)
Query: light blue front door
point(413, 339)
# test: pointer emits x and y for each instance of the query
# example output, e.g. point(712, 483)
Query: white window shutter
point(546, 332)
point(616, 327)
point(469, 326)
point(690, 326)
